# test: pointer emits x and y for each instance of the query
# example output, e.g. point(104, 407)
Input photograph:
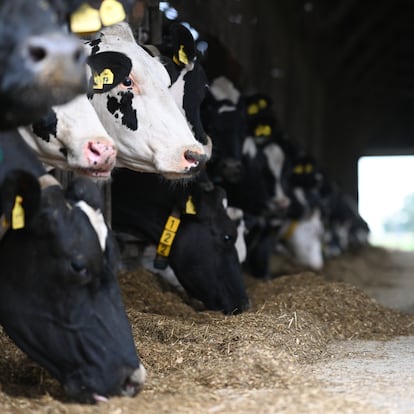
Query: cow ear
point(109, 69)
point(20, 195)
point(83, 188)
point(183, 45)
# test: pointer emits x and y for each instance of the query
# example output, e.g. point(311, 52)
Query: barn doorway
point(386, 199)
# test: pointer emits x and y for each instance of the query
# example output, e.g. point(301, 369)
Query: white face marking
point(97, 221)
point(275, 159)
point(249, 147)
point(222, 88)
point(237, 214)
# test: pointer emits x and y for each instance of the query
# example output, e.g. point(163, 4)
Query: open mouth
point(95, 173)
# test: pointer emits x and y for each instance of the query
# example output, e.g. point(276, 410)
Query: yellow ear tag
point(252, 109)
point(106, 77)
point(85, 20)
point(189, 206)
point(262, 104)
point(290, 230)
point(17, 214)
point(263, 131)
point(308, 168)
point(298, 169)
point(182, 56)
point(111, 11)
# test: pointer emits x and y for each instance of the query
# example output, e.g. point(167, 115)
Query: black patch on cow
point(124, 105)
point(64, 151)
point(46, 126)
point(95, 46)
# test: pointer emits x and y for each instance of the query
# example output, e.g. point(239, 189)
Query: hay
point(199, 359)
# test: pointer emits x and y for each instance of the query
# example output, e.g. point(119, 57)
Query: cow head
point(151, 133)
point(204, 255)
point(72, 138)
point(61, 304)
point(42, 65)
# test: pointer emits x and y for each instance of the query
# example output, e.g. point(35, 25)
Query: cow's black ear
point(183, 44)
point(83, 188)
point(21, 190)
point(109, 69)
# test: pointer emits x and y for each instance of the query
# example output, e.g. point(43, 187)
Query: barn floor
point(311, 343)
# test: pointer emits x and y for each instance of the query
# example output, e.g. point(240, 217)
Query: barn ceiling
point(369, 45)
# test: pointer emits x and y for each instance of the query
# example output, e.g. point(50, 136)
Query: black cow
point(42, 65)
point(61, 304)
point(203, 254)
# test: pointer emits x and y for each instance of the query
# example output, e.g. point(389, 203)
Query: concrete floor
point(378, 374)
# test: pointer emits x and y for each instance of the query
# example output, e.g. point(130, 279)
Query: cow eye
point(127, 82)
point(227, 238)
point(79, 268)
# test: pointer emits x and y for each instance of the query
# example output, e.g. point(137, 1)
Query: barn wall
point(263, 46)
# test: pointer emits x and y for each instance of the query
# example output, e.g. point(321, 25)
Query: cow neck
point(45, 181)
point(169, 232)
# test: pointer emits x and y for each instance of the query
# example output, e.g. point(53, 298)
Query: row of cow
point(198, 175)
point(61, 304)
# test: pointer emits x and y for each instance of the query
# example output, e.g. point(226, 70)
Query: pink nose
point(100, 154)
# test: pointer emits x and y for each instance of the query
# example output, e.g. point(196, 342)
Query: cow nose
point(282, 203)
point(194, 160)
point(134, 382)
point(57, 60)
point(100, 154)
point(42, 49)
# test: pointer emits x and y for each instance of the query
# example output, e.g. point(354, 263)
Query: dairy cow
point(150, 132)
point(62, 304)
point(71, 137)
point(42, 65)
point(192, 230)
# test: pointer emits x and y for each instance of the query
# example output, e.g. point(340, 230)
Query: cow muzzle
point(194, 161)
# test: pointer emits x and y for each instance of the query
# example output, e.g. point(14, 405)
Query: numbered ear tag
point(262, 104)
point(252, 109)
point(189, 206)
point(106, 77)
point(17, 214)
point(308, 168)
point(111, 12)
point(85, 20)
point(298, 169)
point(263, 131)
point(181, 58)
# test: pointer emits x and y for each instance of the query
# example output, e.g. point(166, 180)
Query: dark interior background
point(340, 72)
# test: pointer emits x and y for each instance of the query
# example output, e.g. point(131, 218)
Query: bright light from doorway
point(385, 184)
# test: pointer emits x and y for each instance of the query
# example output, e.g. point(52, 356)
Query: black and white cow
point(71, 137)
point(201, 250)
point(61, 304)
point(42, 65)
point(150, 132)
